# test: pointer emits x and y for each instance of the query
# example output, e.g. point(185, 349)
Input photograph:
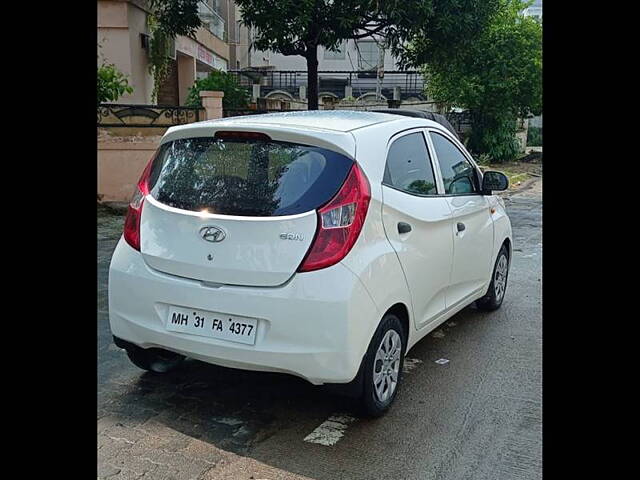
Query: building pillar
point(212, 103)
point(255, 92)
point(396, 93)
point(186, 76)
point(348, 91)
point(302, 92)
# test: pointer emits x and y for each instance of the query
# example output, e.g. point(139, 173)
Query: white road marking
point(232, 422)
point(438, 334)
point(331, 430)
point(442, 361)
point(410, 364)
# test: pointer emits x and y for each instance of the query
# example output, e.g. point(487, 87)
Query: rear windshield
point(246, 177)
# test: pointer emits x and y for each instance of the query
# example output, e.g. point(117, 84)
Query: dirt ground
point(519, 172)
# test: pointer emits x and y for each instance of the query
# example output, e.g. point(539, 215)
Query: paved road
point(479, 416)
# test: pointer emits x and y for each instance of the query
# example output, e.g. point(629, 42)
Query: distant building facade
point(360, 55)
point(534, 10)
point(350, 71)
point(123, 37)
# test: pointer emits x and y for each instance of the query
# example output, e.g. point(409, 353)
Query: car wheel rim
point(500, 278)
point(386, 367)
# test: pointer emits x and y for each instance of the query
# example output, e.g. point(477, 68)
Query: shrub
point(235, 96)
point(112, 84)
point(495, 137)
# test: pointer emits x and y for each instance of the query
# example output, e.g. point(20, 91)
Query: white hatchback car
point(322, 244)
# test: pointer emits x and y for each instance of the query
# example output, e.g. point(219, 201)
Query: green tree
point(176, 17)
point(235, 96)
point(498, 77)
point(299, 27)
point(112, 83)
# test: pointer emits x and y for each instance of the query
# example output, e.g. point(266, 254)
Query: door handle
point(404, 227)
point(460, 227)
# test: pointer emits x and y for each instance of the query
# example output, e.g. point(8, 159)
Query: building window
point(368, 54)
point(211, 19)
point(339, 55)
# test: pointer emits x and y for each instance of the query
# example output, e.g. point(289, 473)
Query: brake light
point(134, 211)
point(339, 223)
point(235, 135)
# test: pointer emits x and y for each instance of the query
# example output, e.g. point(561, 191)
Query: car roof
point(337, 120)
point(331, 129)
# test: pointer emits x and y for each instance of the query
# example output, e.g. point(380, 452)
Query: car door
point(472, 225)
point(417, 222)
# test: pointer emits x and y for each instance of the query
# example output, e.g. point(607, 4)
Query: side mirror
point(494, 181)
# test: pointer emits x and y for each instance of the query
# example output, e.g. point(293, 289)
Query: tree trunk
point(312, 77)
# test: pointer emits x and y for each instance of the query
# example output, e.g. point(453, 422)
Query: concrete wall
point(114, 39)
point(119, 26)
point(139, 63)
point(213, 43)
point(186, 76)
point(121, 159)
point(120, 164)
point(243, 54)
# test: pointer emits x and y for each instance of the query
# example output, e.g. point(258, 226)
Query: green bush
point(483, 159)
point(112, 84)
point(235, 96)
point(495, 137)
point(534, 137)
point(498, 78)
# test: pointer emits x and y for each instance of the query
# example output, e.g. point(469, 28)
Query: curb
point(115, 207)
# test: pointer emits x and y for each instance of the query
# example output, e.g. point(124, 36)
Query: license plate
point(210, 324)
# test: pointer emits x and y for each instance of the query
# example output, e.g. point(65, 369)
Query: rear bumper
point(316, 326)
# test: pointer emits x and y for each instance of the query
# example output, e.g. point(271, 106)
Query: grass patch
point(514, 178)
point(516, 171)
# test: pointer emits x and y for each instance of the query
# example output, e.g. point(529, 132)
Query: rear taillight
point(339, 223)
point(134, 212)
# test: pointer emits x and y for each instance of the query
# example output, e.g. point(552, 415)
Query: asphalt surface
point(479, 416)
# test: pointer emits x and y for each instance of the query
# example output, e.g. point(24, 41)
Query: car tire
point(154, 359)
point(382, 375)
point(498, 286)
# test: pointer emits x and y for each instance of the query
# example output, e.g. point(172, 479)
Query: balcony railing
point(212, 20)
point(411, 83)
point(146, 116)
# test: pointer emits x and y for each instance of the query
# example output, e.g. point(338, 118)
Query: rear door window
point(409, 167)
point(246, 177)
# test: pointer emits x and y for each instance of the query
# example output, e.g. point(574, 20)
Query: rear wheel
point(498, 286)
point(154, 359)
point(382, 367)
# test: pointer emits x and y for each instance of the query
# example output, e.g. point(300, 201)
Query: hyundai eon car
point(322, 244)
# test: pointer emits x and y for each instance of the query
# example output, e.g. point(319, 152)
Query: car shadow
point(235, 410)
point(226, 407)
